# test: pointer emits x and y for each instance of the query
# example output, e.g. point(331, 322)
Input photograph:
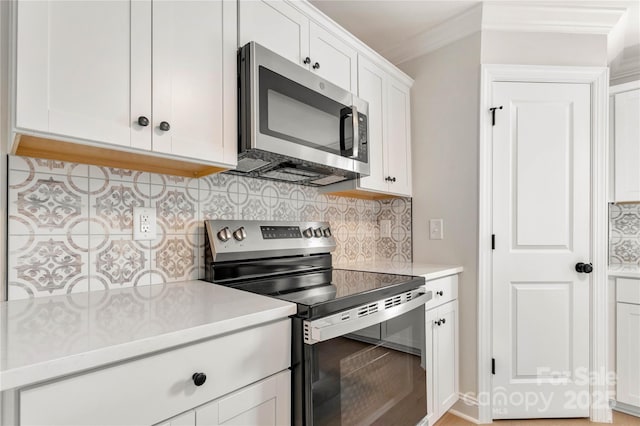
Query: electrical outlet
point(436, 231)
point(385, 228)
point(144, 223)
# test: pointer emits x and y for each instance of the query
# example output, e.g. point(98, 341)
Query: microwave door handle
point(356, 132)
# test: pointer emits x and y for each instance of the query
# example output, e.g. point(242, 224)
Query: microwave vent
point(250, 164)
point(328, 180)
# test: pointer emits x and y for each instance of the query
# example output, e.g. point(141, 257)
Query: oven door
point(374, 375)
point(294, 112)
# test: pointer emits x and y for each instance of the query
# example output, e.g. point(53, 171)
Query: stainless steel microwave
point(295, 126)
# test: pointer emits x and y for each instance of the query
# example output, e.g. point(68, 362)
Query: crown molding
point(456, 28)
point(512, 17)
point(551, 18)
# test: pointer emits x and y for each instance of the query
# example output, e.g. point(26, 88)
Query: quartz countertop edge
point(427, 270)
point(237, 315)
point(623, 270)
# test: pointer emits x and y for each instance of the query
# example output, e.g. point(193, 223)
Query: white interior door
point(541, 222)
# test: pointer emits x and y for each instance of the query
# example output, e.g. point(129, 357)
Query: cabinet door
point(431, 316)
point(332, 59)
point(628, 353)
point(266, 403)
point(84, 70)
point(371, 88)
point(627, 146)
point(446, 370)
point(398, 138)
point(277, 26)
point(194, 79)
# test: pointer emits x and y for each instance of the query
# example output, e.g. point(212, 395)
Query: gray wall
point(444, 105)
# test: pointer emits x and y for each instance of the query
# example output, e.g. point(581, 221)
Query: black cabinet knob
point(393, 179)
point(443, 320)
point(143, 121)
point(438, 322)
point(164, 126)
point(307, 60)
point(440, 293)
point(316, 66)
point(199, 379)
point(585, 268)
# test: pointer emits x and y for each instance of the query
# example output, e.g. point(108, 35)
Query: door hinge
point(493, 241)
point(493, 114)
point(493, 366)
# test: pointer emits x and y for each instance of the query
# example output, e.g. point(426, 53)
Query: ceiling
point(387, 24)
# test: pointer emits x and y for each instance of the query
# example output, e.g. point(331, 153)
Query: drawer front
point(444, 290)
point(628, 290)
point(154, 388)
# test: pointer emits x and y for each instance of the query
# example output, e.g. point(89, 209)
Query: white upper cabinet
point(626, 142)
point(277, 26)
point(280, 27)
point(84, 69)
point(108, 73)
point(389, 131)
point(193, 92)
point(333, 59)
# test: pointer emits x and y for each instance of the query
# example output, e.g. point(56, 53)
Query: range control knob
point(240, 234)
point(224, 234)
point(317, 232)
point(308, 232)
point(327, 232)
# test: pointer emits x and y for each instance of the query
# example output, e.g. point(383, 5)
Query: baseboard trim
point(469, 400)
point(464, 416)
point(625, 408)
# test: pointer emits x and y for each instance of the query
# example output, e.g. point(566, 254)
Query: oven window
point(291, 111)
point(375, 376)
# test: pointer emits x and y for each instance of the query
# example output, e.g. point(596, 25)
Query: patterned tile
point(176, 259)
point(47, 204)
point(624, 233)
point(46, 265)
point(70, 224)
point(118, 262)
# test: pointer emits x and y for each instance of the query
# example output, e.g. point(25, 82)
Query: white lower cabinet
point(441, 350)
point(253, 363)
point(628, 341)
point(266, 403)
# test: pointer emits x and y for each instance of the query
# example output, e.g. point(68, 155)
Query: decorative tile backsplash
point(624, 233)
point(70, 225)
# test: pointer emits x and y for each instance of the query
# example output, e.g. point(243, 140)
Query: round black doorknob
point(143, 121)
point(307, 60)
point(585, 268)
point(199, 379)
point(316, 66)
point(164, 126)
point(440, 293)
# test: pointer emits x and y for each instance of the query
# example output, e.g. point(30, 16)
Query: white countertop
point(47, 337)
point(624, 270)
point(426, 270)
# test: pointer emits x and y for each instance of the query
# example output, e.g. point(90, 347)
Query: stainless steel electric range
point(358, 341)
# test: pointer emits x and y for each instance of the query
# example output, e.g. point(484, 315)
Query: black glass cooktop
point(348, 289)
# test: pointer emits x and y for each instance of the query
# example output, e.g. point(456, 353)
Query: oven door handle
point(352, 320)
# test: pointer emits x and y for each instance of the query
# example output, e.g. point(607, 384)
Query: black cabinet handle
point(164, 126)
point(316, 66)
point(199, 379)
point(143, 121)
point(307, 60)
point(585, 268)
point(440, 293)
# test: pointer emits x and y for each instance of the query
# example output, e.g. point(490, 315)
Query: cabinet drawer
point(154, 388)
point(628, 290)
point(444, 290)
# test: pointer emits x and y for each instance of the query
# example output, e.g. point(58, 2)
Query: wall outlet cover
point(144, 223)
point(436, 229)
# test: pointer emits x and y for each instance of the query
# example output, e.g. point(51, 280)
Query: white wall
point(500, 47)
point(444, 105)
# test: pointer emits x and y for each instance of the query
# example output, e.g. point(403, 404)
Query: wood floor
point(618, 419)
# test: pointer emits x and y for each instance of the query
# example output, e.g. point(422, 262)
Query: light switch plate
point(436, 229)
point(144, 223)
